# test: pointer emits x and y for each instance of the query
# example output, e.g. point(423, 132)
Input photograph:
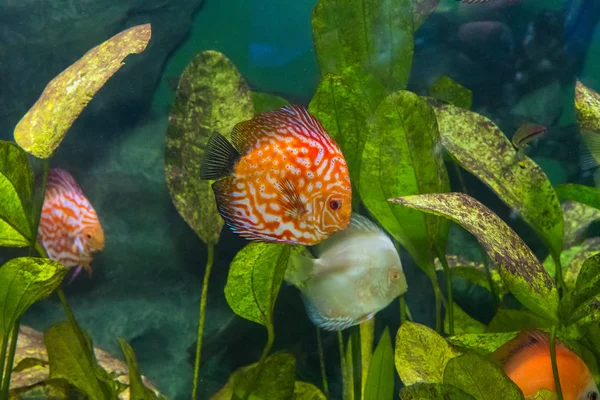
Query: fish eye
point(88, 235)
point(394, 275)
point(592, 396)
point(335, 204)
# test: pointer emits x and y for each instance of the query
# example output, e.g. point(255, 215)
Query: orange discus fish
point(284, 179)
point(69, 227)
point(526, 360)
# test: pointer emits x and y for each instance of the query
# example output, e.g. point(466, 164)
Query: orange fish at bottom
point(69, 227)
point(526, 361)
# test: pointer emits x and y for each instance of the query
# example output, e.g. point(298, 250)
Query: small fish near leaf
point(44, 126)
point(521, 271)
point(276, 382)
point(590, 196)
point(23, 281)
point(433, 391)
point(306, 391)
point(526, 133)
point(69, 361)
point(479, 146)
point(350, 33)
point(582, 302)
point(212, 96)
point(16, 180)
point(255, 276)
point(480, 378)
point(481, 343)
point(421, 354)
point(402, 157)
point(264, 102)
point(449, 91)
point(137, 389)
point(380, 378)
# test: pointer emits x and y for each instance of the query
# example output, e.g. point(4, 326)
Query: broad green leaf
point(367, 329)
point(544, 394)
point(480, 378)
point(483, 343)
point(345, 115)
point(590, 196)
point(582, 301)
point(449, 91)
point(363, 82)
point(358, 32)
point(277, 380)
point(578, 217)
point(306, 391)
point(348, 371)
point(587, 108)
point(421, 354)
point(69, 361)
point(402, 157)
point(433, 391)
point(521, 271)
point(572, 259)
point(211, 96)
point(23, 281)
point(463, 322)
point(15, 185)
point(137, 389)
point(44, 126)
point(380, 380)
point(507, 320)
point(254, 278)
point(421, 10)
point(264, 102)
point(481, 148)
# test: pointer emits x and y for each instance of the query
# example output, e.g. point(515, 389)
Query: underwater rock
point(31, 362)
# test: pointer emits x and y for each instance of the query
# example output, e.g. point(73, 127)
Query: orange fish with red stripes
point(284, 179)
point(526, 361)
point(69, 227)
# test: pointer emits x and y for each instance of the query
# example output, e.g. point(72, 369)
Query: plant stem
point(261, 362)
point(558, 276)
point(554, 365)
point(438, 300)
point(209, 263)
point(3, 356)
point(11, 358)
point(71, 317)
point(343, 366)
point(450, 307)
point(402, 310)
point(322, 363)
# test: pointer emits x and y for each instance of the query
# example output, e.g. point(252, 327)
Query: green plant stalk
point(3, 356)
point(402, 310)
point(558, 275)
point(322, 363)
point(554, 365)
point(356, 361)
point(209, 263)
point(438, 299)
point(343, 366)
point(261, 362)
point(11, 358)
point(450, 307)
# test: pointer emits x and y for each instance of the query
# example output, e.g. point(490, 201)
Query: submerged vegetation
point(398, 146)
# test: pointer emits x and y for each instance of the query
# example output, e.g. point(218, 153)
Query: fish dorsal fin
point(289, 199)
point(61, 180)
point(524, 343)
point(291, 120)
point(358, 225)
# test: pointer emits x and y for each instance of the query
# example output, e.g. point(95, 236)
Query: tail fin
point(220, 158)
point(299, 271)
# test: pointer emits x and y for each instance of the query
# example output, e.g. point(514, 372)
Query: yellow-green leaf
point(421, 354)
point(573, 258)
point(306, 391)
point(367, 329)
point(578, 218)
point(401, 157)
point(589, 196)
point(264, 102)
point(350, 33)
point(137, 389)
point(211, 96)
point(15, 185)
point(507, 320)
point(463, 322)
point(480, 378)
point(44, 126)
point(483, 343)
point(582, 302)
point(544, 394)
point(380, 379)
point(587, 108)
point(449, 91)
point(23, 281)
point(481, 148)
point(255, 276)
point(433, 391)
point(521, 271)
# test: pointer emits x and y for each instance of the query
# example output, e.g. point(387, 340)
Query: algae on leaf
point(481, 148)
point(587, 108)
point(44, 126)
point(578, 217)
point(16, 180)
point(23, 281)
point(449, 91)
point(264, 102)
point(433, 391)
point(483, 343)
point(508, 320)
point(402, 157)
point(306, 391)
point(137, 389)
point(582, 302)
point(480, 378)
point(590, 196)
point(374, 34)
point(255, 276)
point(380, 379)
point(421, 354)
point(211, 96)
point(521, 271)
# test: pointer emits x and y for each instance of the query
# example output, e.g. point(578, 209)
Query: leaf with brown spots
point(479, 146)
point(449, 91)
point(211, 96)
point(521, 271)
point(45, 125)
point(578, 217)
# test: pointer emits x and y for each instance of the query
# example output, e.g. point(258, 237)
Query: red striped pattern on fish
point(69, 227)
